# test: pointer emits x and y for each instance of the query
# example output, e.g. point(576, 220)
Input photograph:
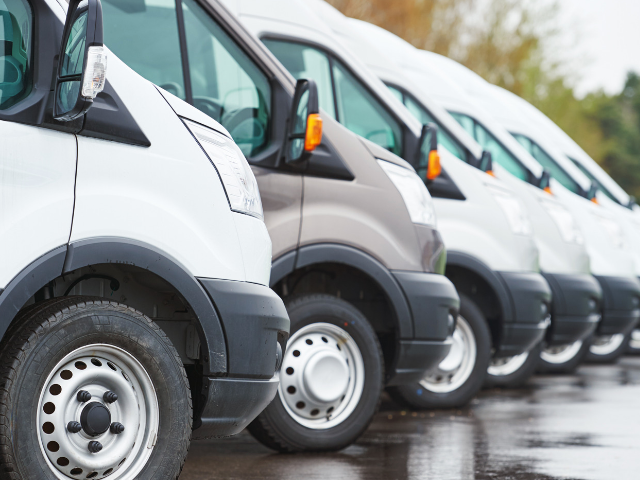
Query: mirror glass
point(299, 127)
point(72, 65)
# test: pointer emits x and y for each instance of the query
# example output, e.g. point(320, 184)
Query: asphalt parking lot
point(584, 426)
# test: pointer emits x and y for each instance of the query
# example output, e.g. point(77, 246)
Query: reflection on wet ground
point(584, 426)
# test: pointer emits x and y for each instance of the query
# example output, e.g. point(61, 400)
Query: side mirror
point(632, 202)
point(545, 181)
point(593, 191)
point(305, 124)
point(82, 64)
point(486, 163)
point(429, 148)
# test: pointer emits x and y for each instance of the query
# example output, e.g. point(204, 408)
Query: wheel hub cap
point(559, 354)
point(500, 367)
point(606, 344)
point(323, 376)
point(95, 419)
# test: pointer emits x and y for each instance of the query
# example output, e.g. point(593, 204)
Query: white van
point(134, 299)
point(298, 35)
point(563, 256)
point(549, 144)
point(611, 261)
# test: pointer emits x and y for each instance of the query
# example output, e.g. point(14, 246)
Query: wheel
point(513, 372)
point(459, 376)
point(331, 379)
point(607, 348)
point(634, 343)
point(98, 391)
point(562, 358)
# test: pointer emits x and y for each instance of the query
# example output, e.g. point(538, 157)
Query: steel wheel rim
point(502, 367)
point(606, 344)
point(560, 354)
point(458, 365)
point(322, 377)
point(97, 369)
point(634, 341)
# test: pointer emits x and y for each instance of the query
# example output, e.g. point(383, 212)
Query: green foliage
point(514, 44)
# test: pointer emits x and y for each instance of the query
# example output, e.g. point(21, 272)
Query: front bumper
point(434, 304)
point(575, 310)
point(526, 323)
point(256, 328)
point(620, 306)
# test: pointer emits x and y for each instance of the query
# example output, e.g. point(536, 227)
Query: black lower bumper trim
point(415, 358)
point(233, 404)
point(575, 310)
point(530, 297)
point(621, 304)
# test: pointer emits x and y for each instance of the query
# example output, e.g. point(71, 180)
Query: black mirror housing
point(545, 180)
point(486, 161)
point(304, 121)
point(81, 69)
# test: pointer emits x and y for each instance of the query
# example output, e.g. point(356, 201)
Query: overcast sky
point(609, 41)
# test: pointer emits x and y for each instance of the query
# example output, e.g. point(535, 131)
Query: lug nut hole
point(300, 405)
point(289, 371)
point(107, 472)
point(92, 474)
point(315, 411)
point(76, 471)
point(49, 408)
point(53, 446)
point(325, 340)
point(309, 341)
point(296, 353)
point(48, 428)
point(63, 461)
point(55, 389)
point(96, 362)
point(111, 366)
point(291, 389)
point(330, 409)
point(66, 374)
point(81, 365)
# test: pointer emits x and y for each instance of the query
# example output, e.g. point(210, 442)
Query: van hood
point(383, 154)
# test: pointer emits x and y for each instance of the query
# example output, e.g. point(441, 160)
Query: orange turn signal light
point(548, 190)
point(434, 169)
point(595, 200)
point(313, 136)
point(490, 172)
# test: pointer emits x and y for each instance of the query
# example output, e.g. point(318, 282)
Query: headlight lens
point(235, 173)
point(564, 221)
point(513, 209)
point(413, 191)
point(614, 229)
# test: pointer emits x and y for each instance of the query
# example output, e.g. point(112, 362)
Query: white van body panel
point(399, 63)
point(168, 195)
point(37, 175)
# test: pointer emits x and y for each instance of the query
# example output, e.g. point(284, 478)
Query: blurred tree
point(515, 44)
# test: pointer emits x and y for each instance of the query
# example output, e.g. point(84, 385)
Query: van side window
point(144, 35)
point(16, 22)
point(353, 105)
point(226, 84)
point(549, 163)
point(499, 154)
point(220, 79)
point(421, 113)
point(303, 61)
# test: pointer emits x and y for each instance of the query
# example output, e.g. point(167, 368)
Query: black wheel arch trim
point(99, 250)
point(464, 260)
point(353, 257)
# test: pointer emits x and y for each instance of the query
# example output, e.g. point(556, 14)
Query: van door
point(37, 165)
point(188, 53)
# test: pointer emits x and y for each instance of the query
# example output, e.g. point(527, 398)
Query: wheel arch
point(110, 250)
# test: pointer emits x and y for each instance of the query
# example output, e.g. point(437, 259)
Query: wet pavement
point(584, 426)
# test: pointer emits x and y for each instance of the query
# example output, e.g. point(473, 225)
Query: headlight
point(564, 221)
point(413, 191)
point(513, 209)
point(614, 229)
point(235, 173)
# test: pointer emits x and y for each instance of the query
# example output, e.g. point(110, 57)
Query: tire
point(516, 372)
point(608, 353)
point(461, 386)
point(564, 359)
point(63, 346)
point(293, 422)
point(634, 343)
